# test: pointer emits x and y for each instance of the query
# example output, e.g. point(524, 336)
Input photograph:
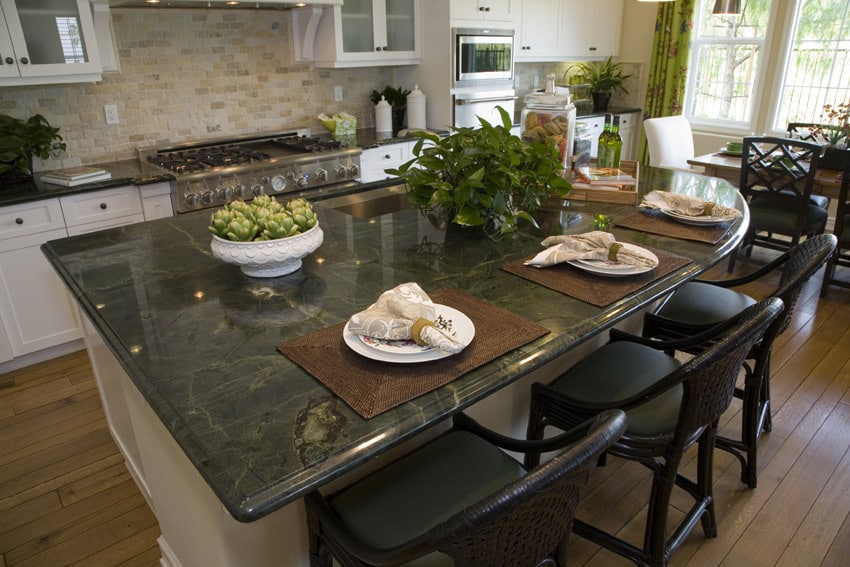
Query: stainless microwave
point(483, 55)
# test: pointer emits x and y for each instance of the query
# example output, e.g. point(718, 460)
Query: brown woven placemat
point(656, 223)
point(371, 387)
point(591, 288)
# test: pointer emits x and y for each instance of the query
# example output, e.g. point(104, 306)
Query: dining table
point(231, 397)
point(727, 166)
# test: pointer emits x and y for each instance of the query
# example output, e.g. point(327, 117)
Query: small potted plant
point(20, 140)
point(834, 132)
point(603, 78)
point(397, 99)
point(483, 177)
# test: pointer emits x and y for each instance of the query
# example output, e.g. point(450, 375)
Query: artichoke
point(278, 225)
point(264, 218)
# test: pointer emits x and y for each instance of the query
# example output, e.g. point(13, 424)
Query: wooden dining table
point(728, 167)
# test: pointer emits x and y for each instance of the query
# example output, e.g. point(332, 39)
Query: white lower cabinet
point(36, 309)
point(374, 161)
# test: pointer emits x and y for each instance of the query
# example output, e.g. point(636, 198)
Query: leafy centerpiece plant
point(484, 177)
point(20, 141)
point(604, 78)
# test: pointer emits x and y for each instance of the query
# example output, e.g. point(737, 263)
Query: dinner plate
point(697, 221)
point(403, 352)
point(728, 152)
point(615, 269)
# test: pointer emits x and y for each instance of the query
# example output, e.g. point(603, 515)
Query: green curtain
point(668, 68)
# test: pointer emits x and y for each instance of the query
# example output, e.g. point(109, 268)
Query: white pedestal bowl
point(268, 258)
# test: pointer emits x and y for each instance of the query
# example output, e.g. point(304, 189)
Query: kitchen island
point(224, 434)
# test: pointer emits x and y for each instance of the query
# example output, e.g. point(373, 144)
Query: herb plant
point(20, 140)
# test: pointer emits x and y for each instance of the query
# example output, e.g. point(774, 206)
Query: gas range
point(214, 172)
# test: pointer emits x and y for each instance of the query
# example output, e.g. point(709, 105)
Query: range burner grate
point(199, 159)
point(305, 144)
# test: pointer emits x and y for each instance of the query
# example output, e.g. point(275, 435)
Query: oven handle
point(463, 101)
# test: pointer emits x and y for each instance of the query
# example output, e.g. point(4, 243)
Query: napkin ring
point(612, 251)
point(416, 330)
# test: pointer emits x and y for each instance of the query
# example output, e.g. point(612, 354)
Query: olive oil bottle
point(615, 143)
point(603, 151)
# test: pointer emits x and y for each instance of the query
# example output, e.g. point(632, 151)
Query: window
point(731, 68)
point(726, 53)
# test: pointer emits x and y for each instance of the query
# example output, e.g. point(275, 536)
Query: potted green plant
point(20, 140)
point(603, 78)
point(397, 98)
point(484, 177)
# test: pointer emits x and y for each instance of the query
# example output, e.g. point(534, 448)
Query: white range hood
point(223, 4)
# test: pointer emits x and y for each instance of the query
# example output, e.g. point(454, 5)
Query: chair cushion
point(413, 494)
point(704, 304)
point(768, 216)
point(618, 370)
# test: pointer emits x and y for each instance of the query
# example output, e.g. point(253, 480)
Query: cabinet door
point(370, 32)
point(482, 10)
point(605, 23)
point(538, 29)
point(36, 309)
point(590, 29)
point(50, 37)
point(400, 25)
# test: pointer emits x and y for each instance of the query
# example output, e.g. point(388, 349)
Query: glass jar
point(550, 118)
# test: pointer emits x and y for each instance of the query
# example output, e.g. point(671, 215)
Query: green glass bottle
point(603, 151)
point(615, 143)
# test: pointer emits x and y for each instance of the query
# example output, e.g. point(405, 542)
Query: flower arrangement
point(835, 127)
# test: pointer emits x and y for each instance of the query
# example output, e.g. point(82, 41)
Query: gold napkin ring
point(612, 251)
point(416, 330)
point(707, 209)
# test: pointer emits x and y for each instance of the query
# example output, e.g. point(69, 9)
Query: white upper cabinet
point(473, 12)
point(47, 41)
point(359, 33)
point(590, 29)
point(537, 30)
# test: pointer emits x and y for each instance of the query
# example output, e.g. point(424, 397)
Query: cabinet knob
point(487, 9)
point(592, 49)
point(377, 48)
point(24, 60)
point(482, 9)
point(386, 156)
point(9, 61)
point(103, 206)
point(19, 220)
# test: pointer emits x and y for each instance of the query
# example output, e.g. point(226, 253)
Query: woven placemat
point(591, 288)
point(656, 223)
point(371, 387)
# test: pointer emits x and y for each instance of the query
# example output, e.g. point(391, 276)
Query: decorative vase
point(268, 258)
point(398, 113)
point(600, 101)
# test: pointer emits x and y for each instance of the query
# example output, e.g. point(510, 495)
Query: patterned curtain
point(668, 68)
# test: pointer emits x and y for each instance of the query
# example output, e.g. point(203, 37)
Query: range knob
point(290, 175)
point(224, 193)
point(321, 174)
point(302, 181)
point(257, 189)
point(353, 170)
point(191, 199)
point(207, 197)
point(341, 171)
point(240, 191)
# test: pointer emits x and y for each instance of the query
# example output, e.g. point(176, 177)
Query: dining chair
point(670, 141)
point(777, 176)
point(671, 406)
point(841, 229)
point(700, 304)
point(806, 131)
point(461, 500)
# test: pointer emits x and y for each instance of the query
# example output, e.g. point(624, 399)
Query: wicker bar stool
point(670, 405)
point(460, 500)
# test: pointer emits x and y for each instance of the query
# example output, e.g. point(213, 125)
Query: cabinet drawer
point(628, 120)
point(99, 206)
point(385, 156)
point(30, 218)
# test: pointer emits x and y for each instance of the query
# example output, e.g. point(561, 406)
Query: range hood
point(222, 4)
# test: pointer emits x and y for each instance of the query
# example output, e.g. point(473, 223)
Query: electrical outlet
point(111, 113)
point(338, 93)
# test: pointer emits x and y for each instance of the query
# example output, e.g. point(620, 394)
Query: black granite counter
point(199, 339)
point(124, 172)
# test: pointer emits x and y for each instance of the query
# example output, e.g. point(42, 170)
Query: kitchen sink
point(369, 204)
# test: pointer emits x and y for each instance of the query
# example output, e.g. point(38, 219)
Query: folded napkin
point(688, 206)
point(596, 245)
point(404, 313)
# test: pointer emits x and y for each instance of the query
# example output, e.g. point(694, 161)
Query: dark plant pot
point(600, 101)
point(16, 176)
point(834, 158)
point(398, 114)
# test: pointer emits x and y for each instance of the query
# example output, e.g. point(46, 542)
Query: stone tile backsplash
point(189, 74)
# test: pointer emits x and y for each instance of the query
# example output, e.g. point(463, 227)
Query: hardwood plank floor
point(66, 497)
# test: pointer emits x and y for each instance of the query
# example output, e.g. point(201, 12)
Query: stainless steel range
point(215, 172)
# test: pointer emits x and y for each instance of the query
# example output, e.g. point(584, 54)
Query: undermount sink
point(369, 204)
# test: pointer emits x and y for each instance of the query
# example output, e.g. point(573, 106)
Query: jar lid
point(547, 100)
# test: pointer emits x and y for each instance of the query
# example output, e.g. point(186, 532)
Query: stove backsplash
point(187, 75)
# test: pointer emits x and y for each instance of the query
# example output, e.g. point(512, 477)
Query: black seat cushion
point(423, 488)
point(618, 370)
point(700, 304)
point(774, 217)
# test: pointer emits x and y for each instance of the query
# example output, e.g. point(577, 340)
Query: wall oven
point(483, 56)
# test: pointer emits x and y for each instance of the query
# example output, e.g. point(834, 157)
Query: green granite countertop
point(199, 339)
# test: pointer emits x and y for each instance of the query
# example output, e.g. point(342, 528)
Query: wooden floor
point(67, 499)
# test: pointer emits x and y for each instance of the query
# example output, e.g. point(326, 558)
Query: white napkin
point(404, 312)
point(596, 245)
point(688, 206)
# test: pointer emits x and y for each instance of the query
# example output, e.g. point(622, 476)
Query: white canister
point(383, 116)
point(416, 109)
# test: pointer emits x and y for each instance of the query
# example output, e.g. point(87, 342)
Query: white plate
point(739, 153)
point(403, 352)
point(698, 221)
point(609, 268)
